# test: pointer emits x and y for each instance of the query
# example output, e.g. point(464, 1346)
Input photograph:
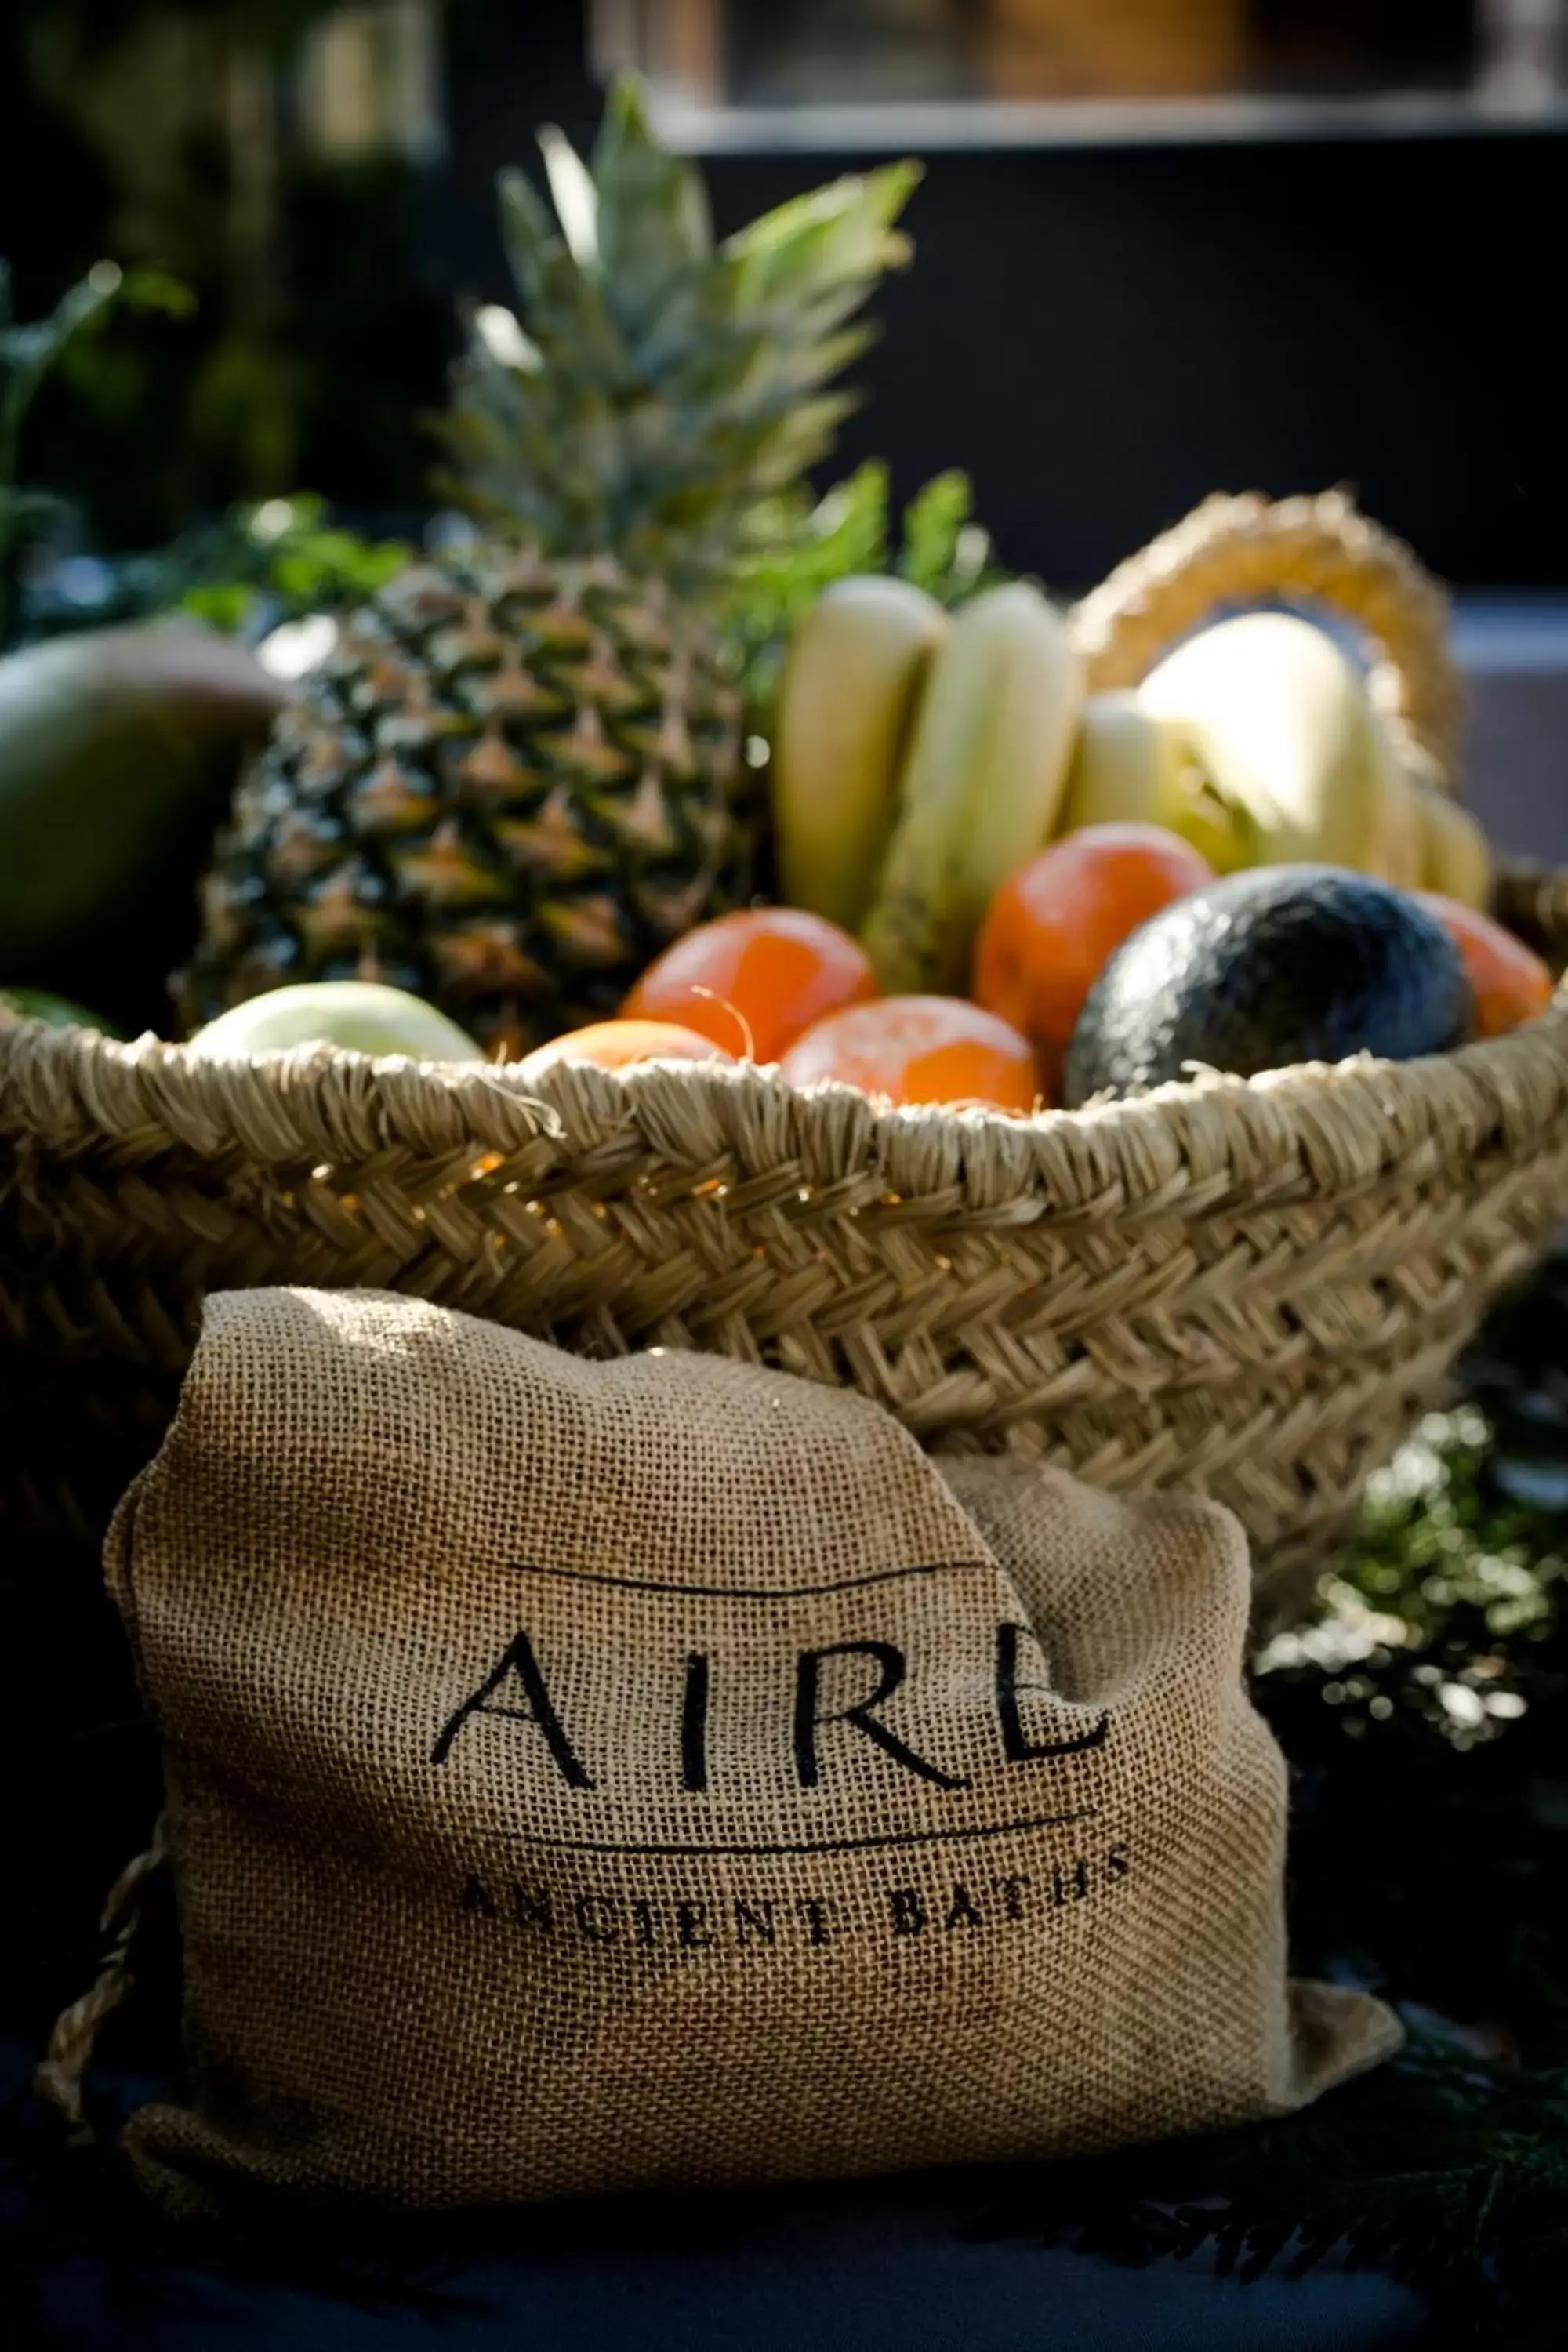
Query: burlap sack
point(582, 1775)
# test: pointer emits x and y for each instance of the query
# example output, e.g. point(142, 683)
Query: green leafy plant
point(275, 560)
point(1445, 2169)
point(28, 351)
point(241, 575)
point(279, 560)
point(800, 547)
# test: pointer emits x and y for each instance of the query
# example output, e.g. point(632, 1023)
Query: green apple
point(359, 1014)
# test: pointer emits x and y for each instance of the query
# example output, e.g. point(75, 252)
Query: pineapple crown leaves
point(658, 387)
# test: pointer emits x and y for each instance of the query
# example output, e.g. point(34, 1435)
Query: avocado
point(1279, 964)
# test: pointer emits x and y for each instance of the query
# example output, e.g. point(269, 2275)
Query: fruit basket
point(1250, 1286)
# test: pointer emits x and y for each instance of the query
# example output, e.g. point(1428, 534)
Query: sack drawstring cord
point(59, 2076)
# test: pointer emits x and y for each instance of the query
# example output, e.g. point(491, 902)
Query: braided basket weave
point(1253, 1286)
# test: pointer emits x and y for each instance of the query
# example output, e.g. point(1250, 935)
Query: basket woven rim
point(1306, 1130)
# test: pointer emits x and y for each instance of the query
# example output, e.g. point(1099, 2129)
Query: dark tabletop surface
point(910, 2264)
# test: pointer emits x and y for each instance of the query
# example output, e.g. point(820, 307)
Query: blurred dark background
point(1164, 246)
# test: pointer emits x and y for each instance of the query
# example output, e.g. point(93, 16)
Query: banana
point(982, 787)
point(848, 693)
point(1218, 829)
point(1449, 851)
point(1398, 854)
point(1130, 768)
point(1458, 858)
point(1282, 723)
point(1118, 775)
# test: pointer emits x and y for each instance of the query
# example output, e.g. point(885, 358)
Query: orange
point(756, 980)
point(613, 1045)
point(1511, 984)
point(918, 1049)
point(1052, 926)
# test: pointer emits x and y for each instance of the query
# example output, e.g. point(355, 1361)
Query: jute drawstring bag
point(584, 1775)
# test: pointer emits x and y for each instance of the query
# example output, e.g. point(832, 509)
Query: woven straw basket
point(1251, 1286)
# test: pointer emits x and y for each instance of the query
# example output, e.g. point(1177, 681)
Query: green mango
point(119, 752)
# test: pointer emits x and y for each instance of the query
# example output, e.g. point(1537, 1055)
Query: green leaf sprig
point(799, 547)
point(30, 351)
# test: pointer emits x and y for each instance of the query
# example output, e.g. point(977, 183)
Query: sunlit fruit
point(756, 980)
point(616, 1045)
point(1053, 924)
point(359, 1014)
point(1510, 982)
point(918, 1049)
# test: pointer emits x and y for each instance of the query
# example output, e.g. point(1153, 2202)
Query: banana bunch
point(920, 757)
point(1296, 763)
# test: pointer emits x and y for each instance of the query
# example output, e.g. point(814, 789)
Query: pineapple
point(518, 774)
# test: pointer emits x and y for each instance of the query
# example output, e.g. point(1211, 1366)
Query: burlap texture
point(589, 1775)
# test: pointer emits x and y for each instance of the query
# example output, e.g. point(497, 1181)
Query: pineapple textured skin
point(510, 783)
point(517, 777)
